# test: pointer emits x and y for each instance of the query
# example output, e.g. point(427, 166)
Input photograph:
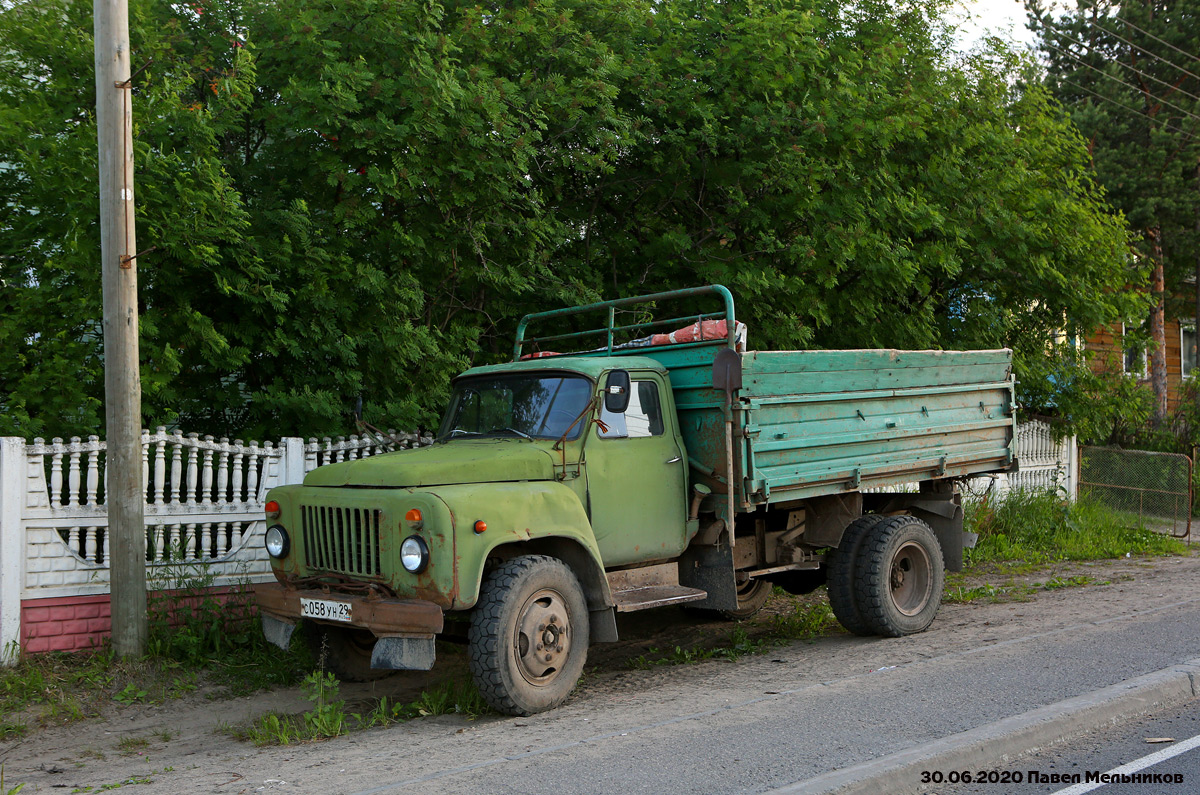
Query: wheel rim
point(749, 589)
point(543, 639)
point(911, 578)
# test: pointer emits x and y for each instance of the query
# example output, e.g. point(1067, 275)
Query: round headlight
point(278, 543)
point(414, 555)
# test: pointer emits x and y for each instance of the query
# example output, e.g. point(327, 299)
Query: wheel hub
point(911, 579)
point(542, 641)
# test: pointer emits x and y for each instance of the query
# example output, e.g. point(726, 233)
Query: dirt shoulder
point(178, 745)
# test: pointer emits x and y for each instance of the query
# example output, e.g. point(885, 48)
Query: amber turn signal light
point(480, 526)
point(413, 515)
point(272, 509)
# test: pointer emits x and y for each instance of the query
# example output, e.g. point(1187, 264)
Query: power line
point(1131, 68)
point(1184, 53)
point(1131, 44)
point(1151, 54)
point(1131, 87)
point(1161, 125)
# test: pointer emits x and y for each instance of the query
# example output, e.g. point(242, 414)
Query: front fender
point(530, 514)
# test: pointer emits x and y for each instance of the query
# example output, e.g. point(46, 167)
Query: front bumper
point(404, 628)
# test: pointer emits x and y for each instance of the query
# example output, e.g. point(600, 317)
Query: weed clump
point(1039, 527)
point(328, 716)
point(198, 627)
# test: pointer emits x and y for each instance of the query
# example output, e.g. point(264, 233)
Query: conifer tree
point(1129, 75)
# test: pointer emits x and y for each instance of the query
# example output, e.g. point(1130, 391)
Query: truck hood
point(460, 461)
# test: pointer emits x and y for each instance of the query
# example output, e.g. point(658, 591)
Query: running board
point(644, 598)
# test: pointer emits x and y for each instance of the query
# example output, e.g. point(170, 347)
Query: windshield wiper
point(456, 431)
point(522, 434)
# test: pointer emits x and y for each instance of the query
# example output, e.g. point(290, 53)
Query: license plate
point(325, 610)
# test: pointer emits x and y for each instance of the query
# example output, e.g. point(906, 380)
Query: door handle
point(675, 460)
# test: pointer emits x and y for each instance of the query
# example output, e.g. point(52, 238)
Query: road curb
point(1000, 742)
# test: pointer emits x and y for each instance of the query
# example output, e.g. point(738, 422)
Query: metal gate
point(1155, 486)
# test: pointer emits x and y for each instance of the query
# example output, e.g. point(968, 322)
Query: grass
point(126, 782)
point(803, 621)
point(57, 688)
point(328, 717)
point(1012, 591)
point(5, 789)
point(131, 745)
point(806, 620)
point(1039, 528)
point(1022, 533)
point(194, 640)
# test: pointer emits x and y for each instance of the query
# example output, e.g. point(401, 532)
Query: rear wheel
point(751, 596)
point(345, 652)
point(528, 637)
point(901, 574)
point(842, 569)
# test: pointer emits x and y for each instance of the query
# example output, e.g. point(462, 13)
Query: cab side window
point(643, 418)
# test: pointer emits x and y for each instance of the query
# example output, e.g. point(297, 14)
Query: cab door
point(637, 476)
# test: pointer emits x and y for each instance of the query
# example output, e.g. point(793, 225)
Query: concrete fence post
point(1073, 467)
point(293, 460)
point(13, 475)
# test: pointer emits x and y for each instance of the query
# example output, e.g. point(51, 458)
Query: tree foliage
point(1127, 74)
point(362, 197)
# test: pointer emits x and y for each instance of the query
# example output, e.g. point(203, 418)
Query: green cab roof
point(590, 366)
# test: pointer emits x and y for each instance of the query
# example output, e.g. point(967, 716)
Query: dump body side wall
point(811, 423)
point(823, 421)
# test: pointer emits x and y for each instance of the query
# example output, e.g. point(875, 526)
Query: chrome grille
point(344, 540)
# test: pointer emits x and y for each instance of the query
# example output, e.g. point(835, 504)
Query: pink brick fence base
point(81, 623)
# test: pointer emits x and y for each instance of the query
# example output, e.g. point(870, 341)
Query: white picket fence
point(204, 504)
point(1044, 464)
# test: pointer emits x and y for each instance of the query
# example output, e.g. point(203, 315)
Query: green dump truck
point(670, 469)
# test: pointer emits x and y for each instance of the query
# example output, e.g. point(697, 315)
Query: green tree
point(854, 182)
point(362, 197)
point(51, 373)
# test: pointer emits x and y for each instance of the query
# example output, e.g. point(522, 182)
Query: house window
point(1135, 362)
point(1187, 348)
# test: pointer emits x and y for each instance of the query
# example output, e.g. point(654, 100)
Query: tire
point(901, 574)
point(841, 571)
point(345, 652)
point(751, 596)
point(529, 608)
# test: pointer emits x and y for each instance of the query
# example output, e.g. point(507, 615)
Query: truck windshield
point(524, 405)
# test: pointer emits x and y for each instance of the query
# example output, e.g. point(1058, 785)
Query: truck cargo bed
point(810, 423)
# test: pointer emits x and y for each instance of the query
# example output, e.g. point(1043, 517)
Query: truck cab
point(659, 469)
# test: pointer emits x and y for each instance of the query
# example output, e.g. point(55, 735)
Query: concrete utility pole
point(122, 382)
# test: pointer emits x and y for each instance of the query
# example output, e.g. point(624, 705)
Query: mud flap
point(277, 632)
point(403, 654)
point(710, 568)
point(603, 624)
point(945, 517)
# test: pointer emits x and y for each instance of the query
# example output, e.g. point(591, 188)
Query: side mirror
point(616, 392)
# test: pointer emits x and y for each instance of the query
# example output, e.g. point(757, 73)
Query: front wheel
point(900, 576)
point(345, 652)
point(528, 636)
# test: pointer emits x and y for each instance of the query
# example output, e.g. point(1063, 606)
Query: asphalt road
point(1122, 749)
point(800, 718)
point(781, 730)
